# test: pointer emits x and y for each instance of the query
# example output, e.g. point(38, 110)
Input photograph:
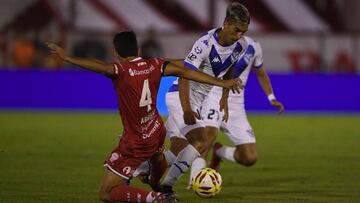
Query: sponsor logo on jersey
point(157, 125)
point(141, 72)
point(217, 65)
point(131, 72)
point(250, 132)
point(216, 60)
point(191, 56)
point(248, 57)
point(148, 117)
point(114, 156)
point(126, 170)
point(141, 64)
point(205, 42)
point(198, 50)
point(235, 56)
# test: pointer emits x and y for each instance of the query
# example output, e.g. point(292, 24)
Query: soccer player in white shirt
point(216, 54)
point(234, 124)
point(237, 127)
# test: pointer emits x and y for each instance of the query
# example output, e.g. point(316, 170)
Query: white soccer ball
point(206, 183)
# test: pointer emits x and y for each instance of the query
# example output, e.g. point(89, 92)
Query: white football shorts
point(175, 125)
point(237, 128)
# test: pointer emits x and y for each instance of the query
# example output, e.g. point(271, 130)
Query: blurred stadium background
point(311, 51)
point(311, 48)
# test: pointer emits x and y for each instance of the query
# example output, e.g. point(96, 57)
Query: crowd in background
point(28, 50)
point(320, 37)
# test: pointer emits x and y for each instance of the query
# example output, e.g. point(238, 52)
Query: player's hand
point(224, 107)
point(234, 84)
point(278, 105)
point(55, 49)
point(190, 117)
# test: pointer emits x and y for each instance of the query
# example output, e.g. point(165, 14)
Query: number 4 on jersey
point(146, 96)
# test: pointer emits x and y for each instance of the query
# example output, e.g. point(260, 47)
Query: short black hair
point(125, 44)
point(238, 13)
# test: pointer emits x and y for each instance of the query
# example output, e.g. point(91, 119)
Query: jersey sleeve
point(118, 69)
point(161, 63)
point(196, 56)
point(258, 61)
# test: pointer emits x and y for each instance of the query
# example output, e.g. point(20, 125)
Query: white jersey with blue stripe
point(252, 57)
point(208, 56)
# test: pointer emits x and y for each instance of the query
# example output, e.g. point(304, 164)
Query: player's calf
point(216, 159)
point(158, 168)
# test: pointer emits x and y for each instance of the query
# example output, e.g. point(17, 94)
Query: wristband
point(271, 97)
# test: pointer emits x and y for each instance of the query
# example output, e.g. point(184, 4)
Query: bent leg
point(239, 131)
point(200, 162)
point(244, 154)
point(211, 133)
point(113, 188)
point(185, 158)
point(109, 181)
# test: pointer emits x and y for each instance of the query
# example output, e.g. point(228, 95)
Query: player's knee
point(245, 159)
point(249, 161)
point(198, 141)
point(211, 133)
point(157, 158)
point(199, 145)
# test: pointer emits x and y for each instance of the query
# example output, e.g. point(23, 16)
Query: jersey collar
point(215, 35)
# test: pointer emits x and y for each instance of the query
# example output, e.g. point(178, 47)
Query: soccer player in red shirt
point(136, 82)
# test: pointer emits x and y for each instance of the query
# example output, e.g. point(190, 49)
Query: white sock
point(170, 157)
point(143, 168)
point(151, 196)
point(198, 164)
point(226, 153)
point(181, 164)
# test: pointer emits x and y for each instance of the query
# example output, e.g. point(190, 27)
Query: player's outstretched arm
point(90, 64)
point(180, 71)
point(265, 83)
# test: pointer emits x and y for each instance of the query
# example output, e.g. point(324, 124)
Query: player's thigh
point(238, 128)
point(175, 120)
point(175, 124)
point(212, 117)
point(210, 110)
point(172, 127)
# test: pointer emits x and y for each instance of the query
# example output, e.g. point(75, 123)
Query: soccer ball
point(206, 183)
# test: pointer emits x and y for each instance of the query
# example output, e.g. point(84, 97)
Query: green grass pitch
point(57, 157)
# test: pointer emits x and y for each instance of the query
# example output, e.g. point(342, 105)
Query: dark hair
point(125, 44)
point(237, 12)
